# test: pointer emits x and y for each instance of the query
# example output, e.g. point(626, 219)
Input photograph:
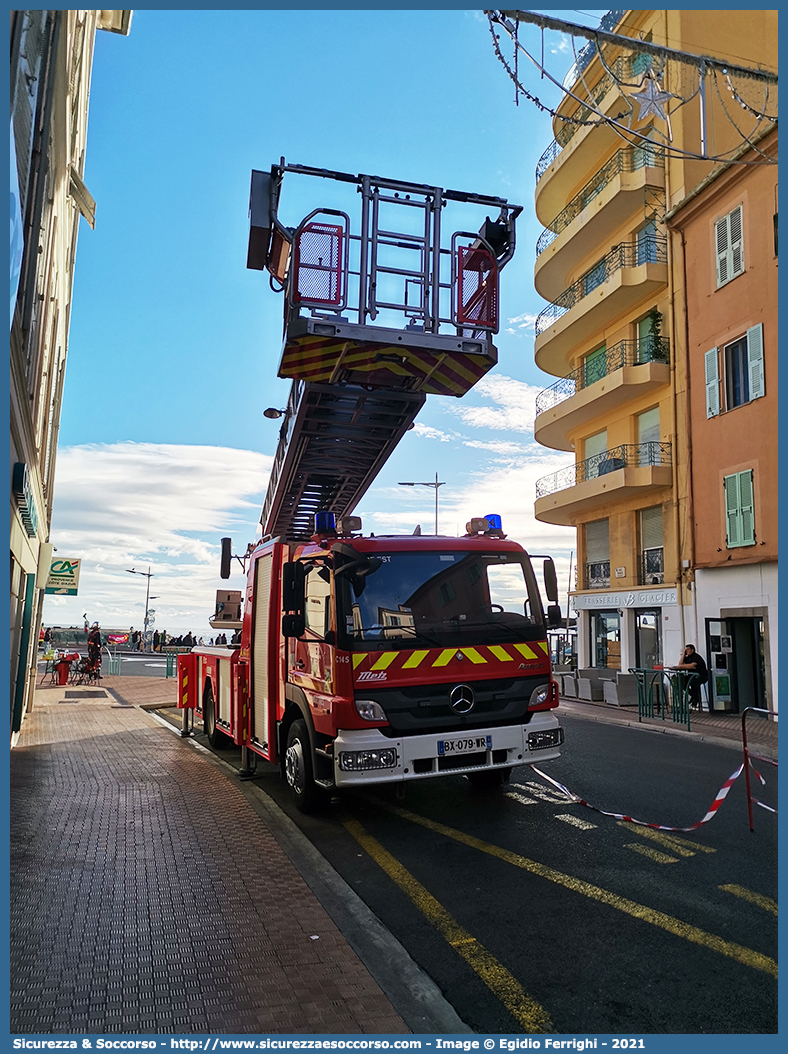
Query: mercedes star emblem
point(462, 699)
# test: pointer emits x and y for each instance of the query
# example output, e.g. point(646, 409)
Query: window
point(595, 277)
point(595, 365)
point(739, 509)
point(605, 640)
point(645, 153)
point(729, 246)
point(597, 567)
point(647, 243)
point(594, 448)
point(317, 607)
point(648, 437)
point(742, 362)
point(652, 559)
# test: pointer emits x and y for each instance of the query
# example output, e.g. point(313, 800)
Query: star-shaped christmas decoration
point(651, 98)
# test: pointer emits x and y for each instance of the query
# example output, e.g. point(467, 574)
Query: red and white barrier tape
point(721, 796)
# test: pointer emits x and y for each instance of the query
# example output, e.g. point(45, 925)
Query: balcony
point(597, 576)
point(614, 475)
point(629, 273)
point(651, 567)
point(628, 370)
point(554, 180)
point(616, 193)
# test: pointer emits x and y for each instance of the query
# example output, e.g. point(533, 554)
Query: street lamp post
point(147, 574)
point(436, 484)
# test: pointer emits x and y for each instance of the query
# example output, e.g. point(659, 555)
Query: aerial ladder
point(379, 312)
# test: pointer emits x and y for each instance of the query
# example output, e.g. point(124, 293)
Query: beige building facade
point(610, 265)
point(51, 62)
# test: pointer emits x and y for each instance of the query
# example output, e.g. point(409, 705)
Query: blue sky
point(174, 344)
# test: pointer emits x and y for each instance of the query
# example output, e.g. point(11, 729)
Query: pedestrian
point(94, 648)
point(155, 640)
point(47, 636)
point(693, 662)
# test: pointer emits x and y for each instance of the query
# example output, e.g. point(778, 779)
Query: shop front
point(639, 628)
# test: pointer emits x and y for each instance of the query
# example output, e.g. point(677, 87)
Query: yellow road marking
point(414, 660)
point(521, 798)
point(575, 821)
point(652, 854)
point(504, 986)
point(755, 898)
point(687, 932)
point(682, 846)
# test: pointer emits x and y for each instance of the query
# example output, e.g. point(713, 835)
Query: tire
point(216, 737)
point(489, 779)
point(298, 769)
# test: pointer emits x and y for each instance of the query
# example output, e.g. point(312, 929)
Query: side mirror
point(554, 615)
point(293, 625)
point(227, 552)
point(293, 588)
point(550, 581)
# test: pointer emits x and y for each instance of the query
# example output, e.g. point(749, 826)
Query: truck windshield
point(434, 599)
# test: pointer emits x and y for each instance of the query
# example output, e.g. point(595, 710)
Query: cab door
point(311, 659)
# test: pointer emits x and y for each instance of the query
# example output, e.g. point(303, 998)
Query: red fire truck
point(382, 659)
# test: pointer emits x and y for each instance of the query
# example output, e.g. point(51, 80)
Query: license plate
point(464, 746)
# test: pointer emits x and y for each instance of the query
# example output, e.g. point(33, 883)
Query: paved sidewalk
point(721, 728)
point(149, 896)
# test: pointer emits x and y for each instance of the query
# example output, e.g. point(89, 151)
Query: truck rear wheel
point(488, 779)
point(298, 768)
point(216, 737)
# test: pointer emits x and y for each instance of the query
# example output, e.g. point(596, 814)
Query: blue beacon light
point(325, 522)
point(494, 521)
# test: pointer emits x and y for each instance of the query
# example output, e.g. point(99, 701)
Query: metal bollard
point(170, 670)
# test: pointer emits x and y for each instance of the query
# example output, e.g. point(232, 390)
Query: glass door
point(648, 646)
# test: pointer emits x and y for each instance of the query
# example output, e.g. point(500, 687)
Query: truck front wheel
point(298, 768)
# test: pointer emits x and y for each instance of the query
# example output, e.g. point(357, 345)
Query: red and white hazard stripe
point(722, 794)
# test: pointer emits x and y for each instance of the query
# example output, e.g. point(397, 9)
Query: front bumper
point(419, 757)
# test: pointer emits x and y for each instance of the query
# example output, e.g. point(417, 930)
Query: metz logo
point(372, 675)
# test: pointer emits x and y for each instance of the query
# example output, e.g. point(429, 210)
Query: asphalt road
point(536, 914)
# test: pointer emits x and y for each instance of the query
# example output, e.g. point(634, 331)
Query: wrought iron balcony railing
point(627, 160)
point(608, 21)
point(652, 249)
point(597, 575)
point(635, 455)
point(625, 353)
point(651, 571)
point(623, 69)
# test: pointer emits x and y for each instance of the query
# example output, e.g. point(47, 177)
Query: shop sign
point(25, 502)
point(63, 579)
point(634, 598)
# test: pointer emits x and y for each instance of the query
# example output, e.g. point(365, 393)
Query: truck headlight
point(539, 695)
point(370, 710)
point(361, 760)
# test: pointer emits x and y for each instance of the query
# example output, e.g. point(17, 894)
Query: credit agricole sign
point(63, 577)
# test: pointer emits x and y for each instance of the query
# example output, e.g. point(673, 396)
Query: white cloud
point(140, 505)
point(515, 410)
point(428, 432)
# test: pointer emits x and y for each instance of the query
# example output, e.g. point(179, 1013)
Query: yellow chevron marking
point(358, 658)
point(500, 653)
point(414, 660)
point(385, 660)
point(445, 657)
point(525, 651)
point(543, 645)
point(473, 655)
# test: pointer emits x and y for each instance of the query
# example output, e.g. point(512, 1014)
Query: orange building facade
point(725, 242)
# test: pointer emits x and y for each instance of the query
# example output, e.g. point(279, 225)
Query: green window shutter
point(747, 507)
point(732, 511)
point(755, 361)
point(712, 383)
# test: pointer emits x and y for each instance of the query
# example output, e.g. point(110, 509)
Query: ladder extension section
point(333, 442)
